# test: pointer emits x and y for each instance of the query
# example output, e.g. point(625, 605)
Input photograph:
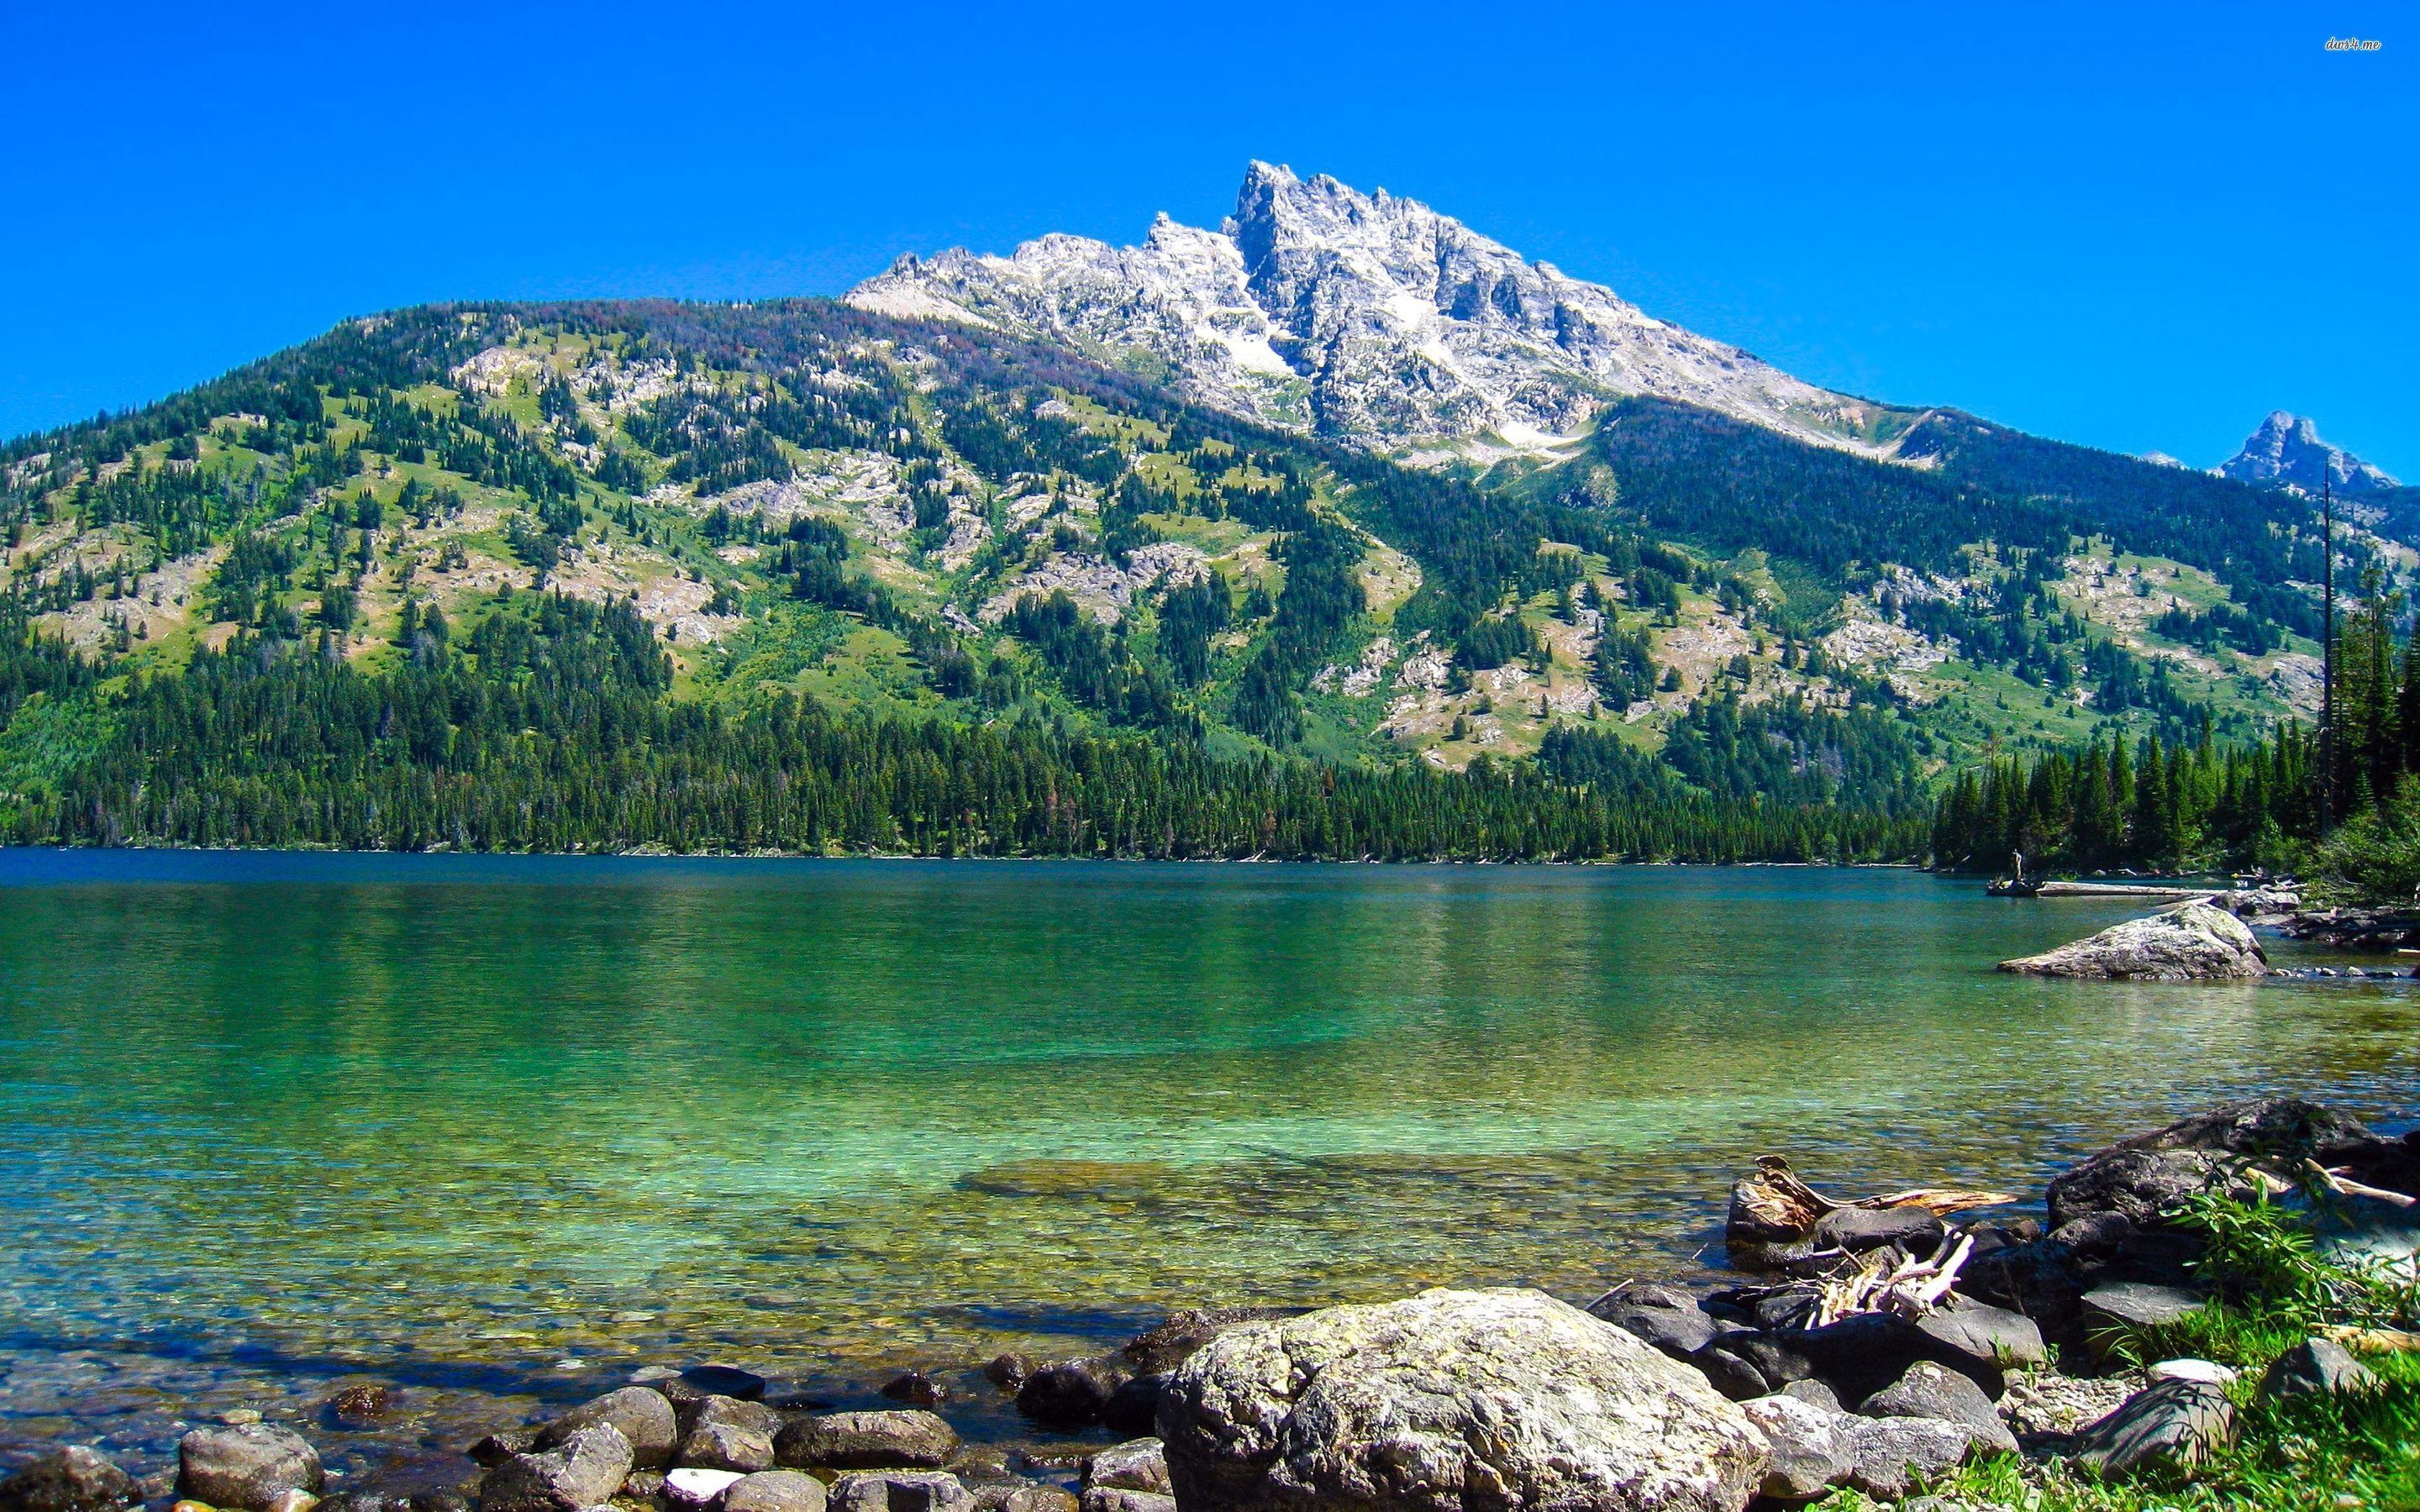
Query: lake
point(503, 1130)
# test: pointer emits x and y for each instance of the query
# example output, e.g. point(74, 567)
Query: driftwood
point(2371, 1340)
point(1775, 1196)
point(2343, 1185)
point(1888, 1282)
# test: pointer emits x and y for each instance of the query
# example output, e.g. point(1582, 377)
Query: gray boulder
point(901, 1438)
point(1669, 1318)
point(1895, 1454)
point(1136, 1465)
point(1917, 1230)
point(1986, 1334)
point(2139, 1303)
point(901, 1491)
point(1815, 1394)
point(2174, 1423)
point(1810, 1452)
point(2315, 1368)
point(1120, 1499)
point(644, 1417)
point(583, 1471)
point(775, 1490)
point(2191, 942)
point(73, 1479)
point(1930, 1390)
point(726, 1447)
point(1451, 1401)
point(249, 1465)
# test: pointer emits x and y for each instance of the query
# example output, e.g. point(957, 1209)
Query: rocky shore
point(1868, 1345)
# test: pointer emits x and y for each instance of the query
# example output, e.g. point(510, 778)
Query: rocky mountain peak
point(1370, 318)
point(2287, 451)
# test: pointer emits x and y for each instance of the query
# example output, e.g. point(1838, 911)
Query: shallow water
point(503, 1130)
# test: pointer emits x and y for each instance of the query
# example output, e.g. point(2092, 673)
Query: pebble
point(193, 1506)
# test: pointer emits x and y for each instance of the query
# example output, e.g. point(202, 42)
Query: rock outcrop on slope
point(2191, 942)
point(1362, 316)
point(2285, 450)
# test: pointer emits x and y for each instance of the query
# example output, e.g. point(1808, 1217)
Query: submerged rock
point(247, 1465)
point(1453, 1401)
point(73, 1479)
point(2191, 942)
point(1072, 1393)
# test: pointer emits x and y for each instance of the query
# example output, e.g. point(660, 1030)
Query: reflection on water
point(457, 1116)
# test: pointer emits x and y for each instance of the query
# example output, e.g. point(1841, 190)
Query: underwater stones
point(363, 1404)
point(1071, 1394)
point(73, 1479)
point(245, 1465)
point(916, 1389)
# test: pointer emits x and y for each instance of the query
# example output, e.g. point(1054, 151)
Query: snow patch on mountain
point(1362, 316)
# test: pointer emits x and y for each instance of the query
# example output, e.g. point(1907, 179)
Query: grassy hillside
point(910, 523)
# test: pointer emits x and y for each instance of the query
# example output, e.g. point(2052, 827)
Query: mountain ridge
point(1366, 317)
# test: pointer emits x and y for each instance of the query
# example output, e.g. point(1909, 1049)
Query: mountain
point(1364, 317)
point(2286, 451)
point(964, 573)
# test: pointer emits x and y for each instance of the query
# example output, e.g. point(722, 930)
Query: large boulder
point(248, 1465)
point(1451, 1401)
point(583, 1471)
point(901, 1438)
point(73, 1479)
point(641, 1414)
point(2142, 1179)
point(2191, 942)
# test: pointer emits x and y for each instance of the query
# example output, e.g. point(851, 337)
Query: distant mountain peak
point(1369, 318)
point(2286, 451)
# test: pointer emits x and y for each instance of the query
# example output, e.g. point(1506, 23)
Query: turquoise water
point(510, 1128)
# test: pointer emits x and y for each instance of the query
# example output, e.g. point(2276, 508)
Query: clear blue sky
point(2135, 228)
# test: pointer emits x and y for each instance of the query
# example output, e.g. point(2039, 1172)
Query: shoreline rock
point(2191, 942)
